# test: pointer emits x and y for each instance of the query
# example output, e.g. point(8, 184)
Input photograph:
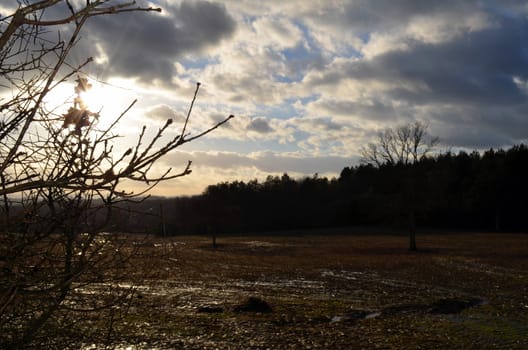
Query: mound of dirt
point(253, 304)
point(453, 305)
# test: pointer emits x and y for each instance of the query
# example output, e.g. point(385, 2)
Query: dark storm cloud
point(474, 127)
point(367, 16)
point(376, 13)
point(471, 137)
point(475, 81)
point(477, 68)
point(325, 124)
point(476, 73)
point(216, 118)
point(260, 125)
point(146, 45)
point(372, 110)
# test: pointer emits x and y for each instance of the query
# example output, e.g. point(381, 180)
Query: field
point(330, 290)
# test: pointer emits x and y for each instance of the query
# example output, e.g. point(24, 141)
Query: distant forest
point(469, 191)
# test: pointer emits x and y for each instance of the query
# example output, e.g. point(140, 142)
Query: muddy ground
point(329, 290)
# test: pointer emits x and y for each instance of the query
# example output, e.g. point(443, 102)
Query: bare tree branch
point(61, 177)
point(405, 144)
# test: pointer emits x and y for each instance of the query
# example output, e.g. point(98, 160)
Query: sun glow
point(96, 98)
point(107, 99)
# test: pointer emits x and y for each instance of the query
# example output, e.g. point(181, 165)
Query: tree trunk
point(497, 219)
point(163, 228)
point(412, 231)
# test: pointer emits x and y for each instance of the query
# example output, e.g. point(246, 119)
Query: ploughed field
point(329, 290)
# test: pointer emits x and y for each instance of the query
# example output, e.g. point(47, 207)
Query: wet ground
point(329, 291)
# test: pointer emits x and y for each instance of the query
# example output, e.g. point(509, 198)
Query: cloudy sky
point(310, 82)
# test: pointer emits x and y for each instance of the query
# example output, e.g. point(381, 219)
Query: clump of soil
point(253, 304)
point(210, 309)
point(453, 305)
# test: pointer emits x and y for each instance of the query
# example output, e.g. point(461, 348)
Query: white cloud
point(164, 112)
point(278, 33)
point(311, 81)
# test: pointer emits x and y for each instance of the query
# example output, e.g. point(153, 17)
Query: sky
point(311, 82)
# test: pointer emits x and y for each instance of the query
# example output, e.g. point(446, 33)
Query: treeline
point(486, 191)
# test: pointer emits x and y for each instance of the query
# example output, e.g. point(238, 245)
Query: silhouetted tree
point(402, 148)
point(61, 179)
point(459, 191)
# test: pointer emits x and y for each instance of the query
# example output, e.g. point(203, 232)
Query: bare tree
point(61, 178)
point(405, 146)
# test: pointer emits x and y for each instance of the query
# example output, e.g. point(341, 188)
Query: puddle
point(282, 283)
point(372, 315)
point(347, 275)
point(447, 306)
point(479, 267)
point(262, 244)
point(118, 347)
point(369, 280)
point(169, 245)
point(355, 315)
point(370, 277)
point(195, 297)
